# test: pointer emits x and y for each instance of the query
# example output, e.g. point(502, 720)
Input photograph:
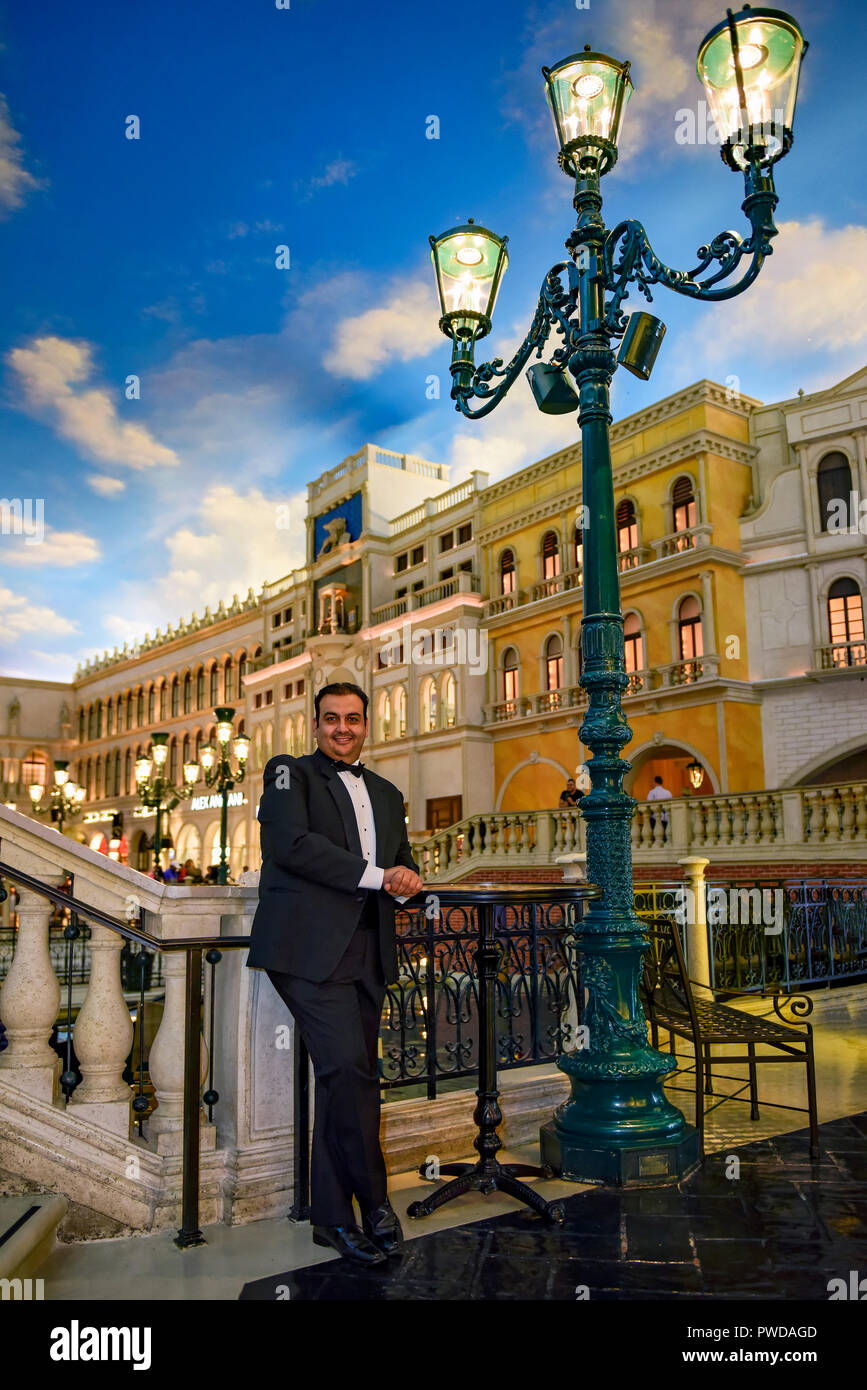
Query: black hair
point(658, 779)
point(340, 688)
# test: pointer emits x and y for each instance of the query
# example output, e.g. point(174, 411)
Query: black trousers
point(339, 1020)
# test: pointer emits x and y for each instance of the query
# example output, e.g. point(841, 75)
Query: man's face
point(570, 784)
point(342, 727)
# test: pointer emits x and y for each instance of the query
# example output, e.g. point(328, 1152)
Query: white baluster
point(29, 1000)
point(166, 1061)
point(103, 1037)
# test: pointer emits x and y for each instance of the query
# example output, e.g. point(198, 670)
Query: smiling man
point(335, 857)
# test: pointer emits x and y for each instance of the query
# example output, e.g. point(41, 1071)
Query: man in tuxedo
point(335, 857)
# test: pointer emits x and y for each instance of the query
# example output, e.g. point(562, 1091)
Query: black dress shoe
point(349, 1241)
point(383, 1229)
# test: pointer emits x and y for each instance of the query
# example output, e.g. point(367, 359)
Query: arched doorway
point(670, 762)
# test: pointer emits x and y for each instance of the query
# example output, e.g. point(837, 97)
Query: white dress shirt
point(360, 798)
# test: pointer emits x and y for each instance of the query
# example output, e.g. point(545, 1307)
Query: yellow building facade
point(683, 475)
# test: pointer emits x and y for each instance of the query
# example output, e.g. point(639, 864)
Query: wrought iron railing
point(800, 933)
point(430, 1018)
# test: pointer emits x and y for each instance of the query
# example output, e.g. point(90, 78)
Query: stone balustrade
point(796, 825)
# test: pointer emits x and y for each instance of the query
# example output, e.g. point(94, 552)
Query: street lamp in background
point(619, 1125)
point(64, 798)
point(219, 774)
point(157, 792)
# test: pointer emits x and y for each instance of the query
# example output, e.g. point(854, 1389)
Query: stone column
point(103, 1038)
point(29, 1001)
point(707, 614)
point(697, 942)
point(166, 1061)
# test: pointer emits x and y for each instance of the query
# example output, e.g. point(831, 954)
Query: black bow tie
point(355, 768)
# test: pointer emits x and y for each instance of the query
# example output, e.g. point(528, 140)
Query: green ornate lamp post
point(618, 1125)
point(219, 774)
point(64, 798)
point(157, 792)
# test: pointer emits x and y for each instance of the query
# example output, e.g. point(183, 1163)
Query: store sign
point(214, 801)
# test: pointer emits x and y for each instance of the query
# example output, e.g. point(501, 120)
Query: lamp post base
point(647, 1163)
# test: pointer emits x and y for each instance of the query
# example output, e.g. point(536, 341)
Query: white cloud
point(53, 374)
point(403, 327)
point(59, 549)
point(15, 181)
point(810, 297)
point(106, 487)
point(236, 541)
point(337, 171)
point(19, 618)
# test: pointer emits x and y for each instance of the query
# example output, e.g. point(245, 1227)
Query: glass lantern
point(749, 65)
point(587, 94)
point(224, 717)
point(469, 262)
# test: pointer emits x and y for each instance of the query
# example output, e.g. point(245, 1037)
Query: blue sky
point(306, 127)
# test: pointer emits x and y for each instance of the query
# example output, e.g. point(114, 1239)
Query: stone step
point(28, 1227)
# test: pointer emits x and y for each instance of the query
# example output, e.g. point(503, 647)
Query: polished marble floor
point(781, 1227)
point(239, 1257)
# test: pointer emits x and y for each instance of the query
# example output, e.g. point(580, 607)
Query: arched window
point(229, 681)
point(176, 697)
point(242, 671)
point(301, 732)
point(127, 781)
point(269, 742)
point(200, 689)
point(554, 662)
point(97, 777)
point(109, 717)
point(172, 760)
point(384, 715)
point(214, 694)
point(81, 726)
point(429, 705)
point(579, 548)
point(834, 481)
point(185, 756)
point(683, 510)
point(846, 624)
point(449, 700)
point(99, 719)
point(289, 736)
point(399, 703)
point(632, 643)
point(627, 533)
point(550, 555)
point(139, 707)
point(117, 772)
point(507, 572)
point(689, 629)
point(90, 724)
point(163, 698)
point(129, 709)
point(198, 745)
point(152, 704)
point(510, 674)
point(188, 693)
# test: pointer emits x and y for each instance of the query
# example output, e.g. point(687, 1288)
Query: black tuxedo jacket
point(309, 901)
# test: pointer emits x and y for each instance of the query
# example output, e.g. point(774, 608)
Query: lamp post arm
point(629, 258)
point(552, 311)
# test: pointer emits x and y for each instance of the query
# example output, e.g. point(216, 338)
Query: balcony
point(839, 656)
point(568, 697)
point(687, 672)
point(692, 538)
point(631, 559)
point(557, 584)
point(461, 583)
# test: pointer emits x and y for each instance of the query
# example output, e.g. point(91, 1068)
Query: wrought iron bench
point(671, 1006)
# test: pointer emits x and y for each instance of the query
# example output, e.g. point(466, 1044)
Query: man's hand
point(401, 882)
